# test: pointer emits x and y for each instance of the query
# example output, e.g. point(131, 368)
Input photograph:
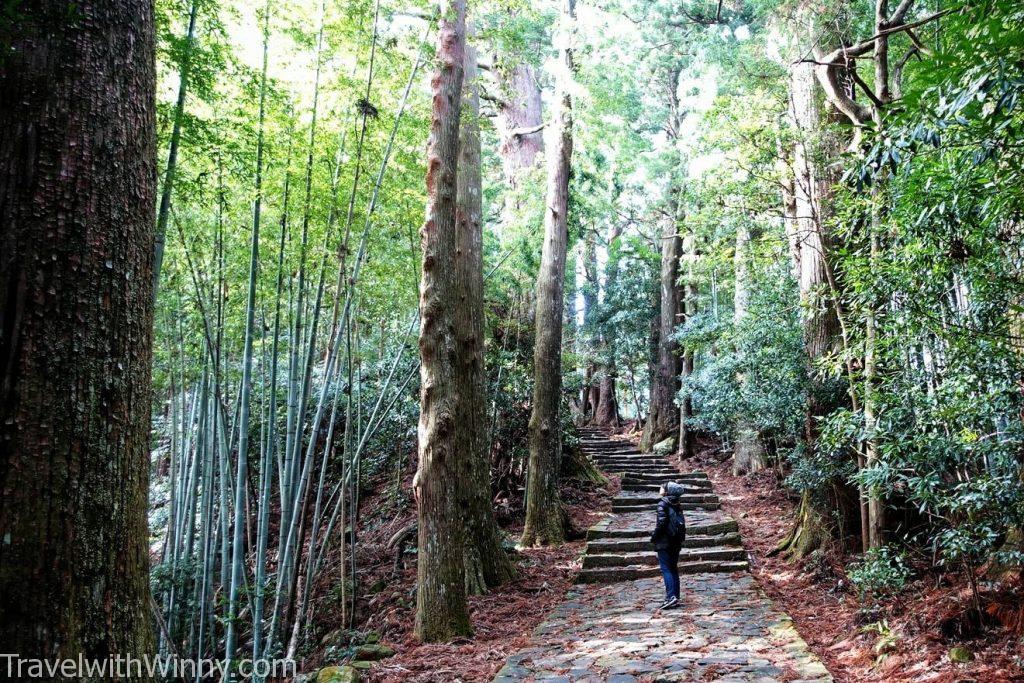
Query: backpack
point(676, 528)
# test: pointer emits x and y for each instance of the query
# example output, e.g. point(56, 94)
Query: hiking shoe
point(671, 603)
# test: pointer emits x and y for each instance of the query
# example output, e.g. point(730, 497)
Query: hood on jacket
point(673, 491)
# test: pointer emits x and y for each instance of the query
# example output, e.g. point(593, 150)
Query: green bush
point(881, 574)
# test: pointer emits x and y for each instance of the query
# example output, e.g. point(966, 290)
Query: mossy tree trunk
point(77, 196)
point(544, 519)
point(686, 435)
point(810, 530)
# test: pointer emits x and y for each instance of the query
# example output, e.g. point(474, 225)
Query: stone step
point(664, 476)
point(613, 546)
point(591, 450)
point(696, 487)
point(698, 529)
point(643, 477)
point(629, 481)
point(616, 574)
point(632, 462)
point(644, 467)
point(650, 558)
point(627, 457)
point(657, 478)
point(651, 499)
point(641, 507)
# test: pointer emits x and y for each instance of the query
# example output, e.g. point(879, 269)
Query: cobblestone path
point(610, 628)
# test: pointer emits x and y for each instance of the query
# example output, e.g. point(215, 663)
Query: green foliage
point(886, 639)
point(831, 459)
point(949, 400)
point(882, 573)
point(752, 369)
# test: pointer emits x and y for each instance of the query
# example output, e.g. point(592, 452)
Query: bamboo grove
point(256, 467)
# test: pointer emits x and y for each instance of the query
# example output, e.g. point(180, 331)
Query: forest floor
point(502, 619)
point(901, 640)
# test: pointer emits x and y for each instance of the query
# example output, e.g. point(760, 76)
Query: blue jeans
point(668, 559)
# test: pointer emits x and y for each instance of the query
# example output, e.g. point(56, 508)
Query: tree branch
point(518, 132)
point(867, 89)
point(866, 46)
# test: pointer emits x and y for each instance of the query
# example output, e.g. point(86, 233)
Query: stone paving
point(726, 628)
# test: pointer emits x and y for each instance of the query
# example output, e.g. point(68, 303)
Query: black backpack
point(676, 528)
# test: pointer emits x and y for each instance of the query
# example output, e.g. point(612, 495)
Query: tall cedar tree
point(544, 518)
point(441, 611)
point(487, 564)
point(77, 197)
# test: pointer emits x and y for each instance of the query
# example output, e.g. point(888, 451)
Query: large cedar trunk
point(519, 127)
point(77, 195)
point(544, 517)
point(806, 201)
point(444, 447)
point(487, 564)
point(607, 414)
point(663, 418)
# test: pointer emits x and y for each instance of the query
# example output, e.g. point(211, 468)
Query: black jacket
point(660, 537)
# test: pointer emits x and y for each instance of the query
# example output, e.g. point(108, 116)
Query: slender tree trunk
point(748, 450)
point(77, 195)
point(607, 413)
point(441, 611)
point(544, 516)
point(591, 392)
point(686, 435)
point(244, 399)
point(172, 153)
point(487, 564)
point(879, 209)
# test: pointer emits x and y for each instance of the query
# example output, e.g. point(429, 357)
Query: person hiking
point(669, 534)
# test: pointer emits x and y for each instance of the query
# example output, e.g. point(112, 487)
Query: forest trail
point(608, 628)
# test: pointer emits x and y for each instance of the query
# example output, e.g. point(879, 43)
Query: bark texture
point(77, 195)
point(487, 564)
point(441, 611)
point(519, 122)
point(544, 518)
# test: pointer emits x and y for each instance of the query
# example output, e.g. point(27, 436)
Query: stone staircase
point(619, 548)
